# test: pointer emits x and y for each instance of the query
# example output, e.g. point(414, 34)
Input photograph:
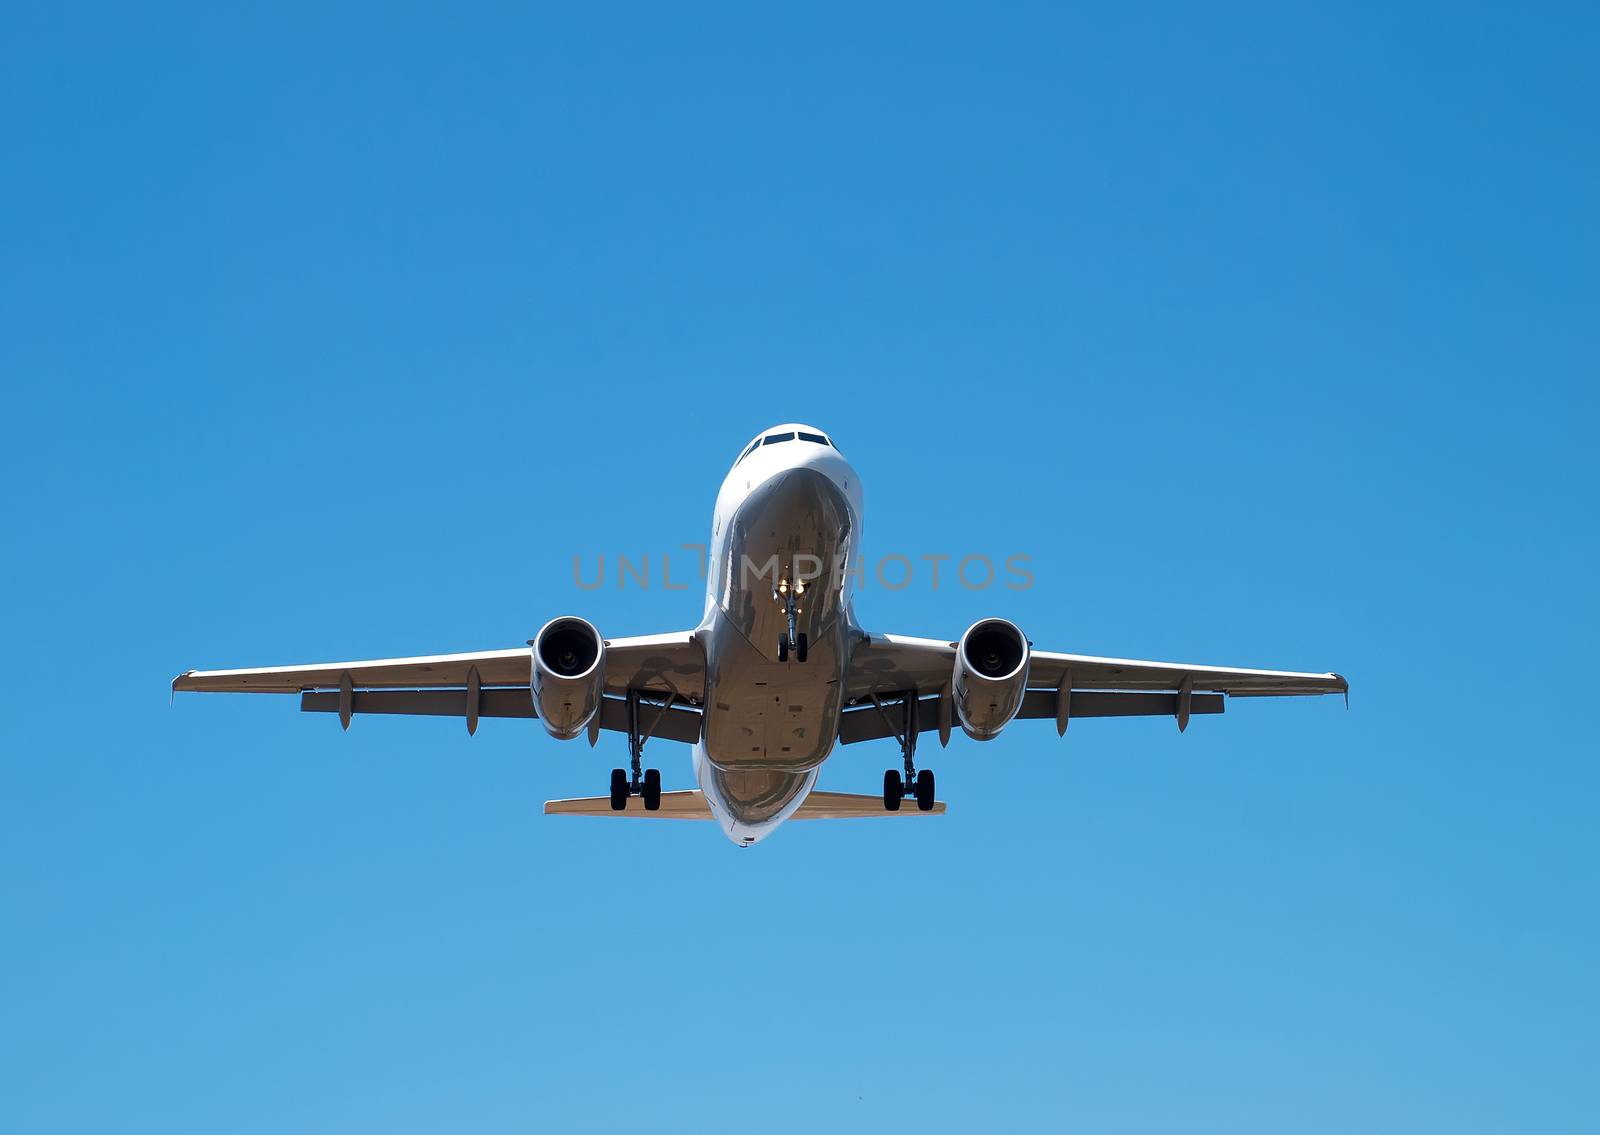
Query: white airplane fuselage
point(786, 531)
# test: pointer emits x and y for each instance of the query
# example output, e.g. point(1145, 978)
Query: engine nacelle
point(569, 673)
point(991, 676)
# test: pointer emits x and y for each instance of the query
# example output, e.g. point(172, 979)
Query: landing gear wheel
point(894, 791)
point(800, 648)
point(619, 789)
point(925, 791)
point(783, 648)
point(652, 790)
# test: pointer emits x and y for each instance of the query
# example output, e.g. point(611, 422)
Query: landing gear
point(647, 786)
point(642, 782)
point(913, 783)
point(799, 647)
point(792, 641)
point(896, 789)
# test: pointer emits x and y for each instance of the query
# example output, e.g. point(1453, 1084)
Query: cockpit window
point(774, 439)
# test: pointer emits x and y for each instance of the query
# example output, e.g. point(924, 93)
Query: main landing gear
point(913, 783)
point(919, 784)
point(644, 782)
point(790, 642)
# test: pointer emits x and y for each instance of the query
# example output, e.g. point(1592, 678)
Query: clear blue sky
point(1269, 333)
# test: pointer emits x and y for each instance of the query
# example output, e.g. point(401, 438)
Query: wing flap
point(1124, 703)
point(865, 723)
point(422, 703)
point(675, 723)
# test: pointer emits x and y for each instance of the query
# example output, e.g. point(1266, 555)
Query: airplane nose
point(800, 490)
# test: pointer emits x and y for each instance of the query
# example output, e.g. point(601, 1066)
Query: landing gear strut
point(643, 782)
point(913, 783)
point(789, 596)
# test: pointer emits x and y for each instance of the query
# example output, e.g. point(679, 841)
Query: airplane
point(777, 672)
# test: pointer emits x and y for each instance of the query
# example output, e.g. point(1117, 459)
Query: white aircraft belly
point(771, 715)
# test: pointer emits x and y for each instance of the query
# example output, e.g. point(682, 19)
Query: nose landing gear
point(792, 641)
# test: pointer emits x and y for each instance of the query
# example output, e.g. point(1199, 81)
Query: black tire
point(783, 648)
point(894, 790)
point(925, 791)
point(800, 647)
point(619, 790)
point(652, 790)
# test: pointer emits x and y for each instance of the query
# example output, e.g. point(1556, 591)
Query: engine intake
point(569, 672)
point(991, 676)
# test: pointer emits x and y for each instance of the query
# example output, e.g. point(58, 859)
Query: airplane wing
point(888, 663)
point(664, 663)
point(1060, 686)
point(668, 669)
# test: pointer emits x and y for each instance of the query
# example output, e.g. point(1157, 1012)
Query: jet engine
point(569, 673)
point(991, 676)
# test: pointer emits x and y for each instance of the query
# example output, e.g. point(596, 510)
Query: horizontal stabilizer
point(855, 806)
point(693, 806)
point(674, 806)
